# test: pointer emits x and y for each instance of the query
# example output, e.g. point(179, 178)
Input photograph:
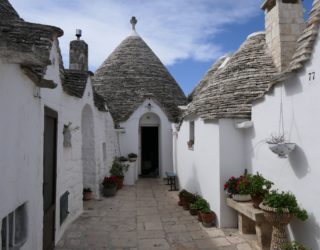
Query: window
point(104, 151)
point(191, 135)
point(14, 229)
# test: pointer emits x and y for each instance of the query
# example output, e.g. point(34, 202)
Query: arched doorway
point(150, 145)
point(88, 149)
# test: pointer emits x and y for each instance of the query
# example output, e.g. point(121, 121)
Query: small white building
point(143, 99)
point(241, 102)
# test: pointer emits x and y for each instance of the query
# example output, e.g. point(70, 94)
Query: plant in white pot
point(279, 145)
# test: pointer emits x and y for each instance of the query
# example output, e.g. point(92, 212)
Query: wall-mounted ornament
point(67, 134)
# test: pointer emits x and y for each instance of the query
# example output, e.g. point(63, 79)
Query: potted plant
point(231, 186)
point(279, 145)
point(181, 195)
point(132, 157)
point(242, 189)
point(207, 216)
point(87, 194)
point(186, 198)
point(259, 187)
point(118, 169)
point(200, 204)
point(193, 209)
point(122, 159)
point(294, 246)
point(279, 208)
point(109, 186)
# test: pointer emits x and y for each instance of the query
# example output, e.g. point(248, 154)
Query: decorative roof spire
point(133, 22)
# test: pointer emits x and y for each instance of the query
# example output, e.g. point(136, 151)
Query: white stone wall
point(21, 132)
point(70, 163)
point(130, 140)
point(300, 172)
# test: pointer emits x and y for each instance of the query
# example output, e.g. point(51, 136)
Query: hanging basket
point(282, 149)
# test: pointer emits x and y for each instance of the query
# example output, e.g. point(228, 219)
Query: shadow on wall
point(307, 232)
point(293, 87)
point(299, 162)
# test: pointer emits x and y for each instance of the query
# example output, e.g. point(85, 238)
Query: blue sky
point(187, 35)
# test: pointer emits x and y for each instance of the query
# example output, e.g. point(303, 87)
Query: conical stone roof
point(133, 73)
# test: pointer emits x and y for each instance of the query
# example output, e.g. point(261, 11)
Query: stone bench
point(251, 220)
point(171, 178)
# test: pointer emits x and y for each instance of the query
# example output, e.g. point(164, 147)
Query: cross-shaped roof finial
point(133, 22)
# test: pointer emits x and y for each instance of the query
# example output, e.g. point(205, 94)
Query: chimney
point(78, 53)
point(284, 23)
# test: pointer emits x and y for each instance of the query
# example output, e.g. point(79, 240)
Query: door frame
point(53, 114)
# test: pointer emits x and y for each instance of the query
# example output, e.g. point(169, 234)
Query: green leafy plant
point(294, 246)
point(118, 169)
point(259, 186)
point(200, 204)
point(285, 200)
point(182, 193)
point(206, 210)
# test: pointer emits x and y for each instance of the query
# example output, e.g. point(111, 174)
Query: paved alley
point(145, 217)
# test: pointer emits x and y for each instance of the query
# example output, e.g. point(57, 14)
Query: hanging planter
point(279, 145)
point(282, 149)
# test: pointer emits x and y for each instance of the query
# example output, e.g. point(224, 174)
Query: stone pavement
point(145, 217)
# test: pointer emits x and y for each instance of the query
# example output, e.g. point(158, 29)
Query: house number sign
point(312, 76)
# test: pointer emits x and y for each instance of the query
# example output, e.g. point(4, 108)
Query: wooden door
point(49, 178)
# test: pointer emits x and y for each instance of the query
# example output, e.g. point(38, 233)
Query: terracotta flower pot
point(179, 203)
point(257, 199)
point(185, 203)
point(279, 221)
point(107, 192)
point(207, 219)
point(87, 196)
point(120, 182)
point(199, 216)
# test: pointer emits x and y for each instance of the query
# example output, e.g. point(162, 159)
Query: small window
point(191, 135)
point(104, 151)
point(14, 229)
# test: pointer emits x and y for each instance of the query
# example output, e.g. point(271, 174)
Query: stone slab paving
point(146, 217)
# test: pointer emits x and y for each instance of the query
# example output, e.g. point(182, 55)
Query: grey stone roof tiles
point(27, 44)
point(307, 39)
point(133, 73)
point(74, 84)
point(230, 90)
point(7, 11)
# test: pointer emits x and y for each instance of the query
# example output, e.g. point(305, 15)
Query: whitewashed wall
point(130, 140)
point(199, 169)
point(70, 163)
point(300, 173)
point(21, 131)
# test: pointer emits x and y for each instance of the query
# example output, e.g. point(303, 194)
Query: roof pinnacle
point(133, 22)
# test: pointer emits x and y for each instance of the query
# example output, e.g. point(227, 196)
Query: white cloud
point(174, 29)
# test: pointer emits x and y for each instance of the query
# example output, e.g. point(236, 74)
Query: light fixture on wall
point(149, 106)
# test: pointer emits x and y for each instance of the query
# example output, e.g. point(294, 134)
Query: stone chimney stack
point(78, 54)
point(284, 23)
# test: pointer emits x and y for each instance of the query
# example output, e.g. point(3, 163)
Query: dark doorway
point(49, 177)
point(149, 151)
